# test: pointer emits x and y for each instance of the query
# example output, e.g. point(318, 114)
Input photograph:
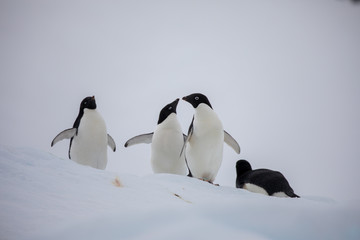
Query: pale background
point(283, 76)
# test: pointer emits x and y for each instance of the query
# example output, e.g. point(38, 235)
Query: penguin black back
point(167, 110)
point(197, 98)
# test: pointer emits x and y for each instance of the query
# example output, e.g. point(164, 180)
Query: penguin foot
point(215, 184)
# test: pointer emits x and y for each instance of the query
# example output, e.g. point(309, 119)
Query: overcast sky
point(283, 76)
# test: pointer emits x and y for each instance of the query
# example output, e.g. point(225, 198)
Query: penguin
point(265, 181)
point(88, 137)
point(203, 146)
point(166, 142)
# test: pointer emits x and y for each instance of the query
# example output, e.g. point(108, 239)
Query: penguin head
point(88, 102)
point(167, 110)
point(197, 98)
point(242, 166)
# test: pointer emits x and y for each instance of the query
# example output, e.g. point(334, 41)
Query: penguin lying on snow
point(205, 140)
point(263, 181)
point(166, 142)
point(88, 137)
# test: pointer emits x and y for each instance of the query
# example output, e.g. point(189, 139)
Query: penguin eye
point(196, 98)
point(170, 108)
point(85, 103)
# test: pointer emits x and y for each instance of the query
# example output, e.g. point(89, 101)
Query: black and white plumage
point(88, 137)
point(166, 142)
point(263, 181)
point(203, 147)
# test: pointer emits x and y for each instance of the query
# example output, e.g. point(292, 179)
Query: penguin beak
point(175, 103)
point(93, 97)
point(185, 98)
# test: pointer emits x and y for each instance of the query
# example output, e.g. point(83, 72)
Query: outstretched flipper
point(229, 140)
point(66, 134)
point(143, 138)
point(111, 143)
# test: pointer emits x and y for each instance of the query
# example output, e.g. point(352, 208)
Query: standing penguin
point(166, 142)
point(263, 181)
point(88, 137)
point(204, 143)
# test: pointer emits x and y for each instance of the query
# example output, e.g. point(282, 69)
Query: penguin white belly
point(166, 146)
point(204, 151)
point(280, 194)
point(255, 189)
point(89, 146)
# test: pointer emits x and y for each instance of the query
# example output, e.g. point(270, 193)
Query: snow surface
point(45, 197)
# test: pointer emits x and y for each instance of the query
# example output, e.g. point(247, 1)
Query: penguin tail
point(293, 195)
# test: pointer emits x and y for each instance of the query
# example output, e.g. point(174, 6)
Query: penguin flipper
point(229, 140)
point(184, 136)
point(143, 138)
point(187, 139)
point(66, 134)
point(111, 143)
point(183, 147)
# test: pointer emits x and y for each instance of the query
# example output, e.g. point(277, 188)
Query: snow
point(46, 197)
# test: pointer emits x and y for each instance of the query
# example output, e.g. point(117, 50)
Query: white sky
point(284, 77)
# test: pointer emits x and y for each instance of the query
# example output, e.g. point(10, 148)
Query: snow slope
point(45, 197)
